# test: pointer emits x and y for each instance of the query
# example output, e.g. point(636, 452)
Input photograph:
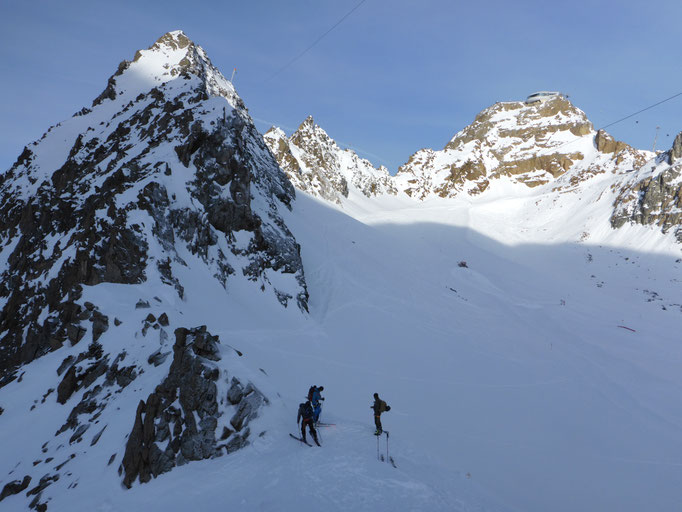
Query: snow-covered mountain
point(111, 223)
point(532, 144)
point(166, 160)
point(550, 144)
point(316, 164)
point(167, 298)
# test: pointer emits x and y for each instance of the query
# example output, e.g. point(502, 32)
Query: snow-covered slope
point(519, 313)
point(519, 298)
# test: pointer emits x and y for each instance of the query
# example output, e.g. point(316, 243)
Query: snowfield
point(515, 383)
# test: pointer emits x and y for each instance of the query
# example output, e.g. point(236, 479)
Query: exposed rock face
point(607, 144)
point(14, 487)
point(676, 151)
point(166, 158)
point(166, 432)
point(653, 196)
point(316, 164)
point(530, 144)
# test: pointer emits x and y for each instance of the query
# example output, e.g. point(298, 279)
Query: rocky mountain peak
point(171, 57)
point(176, 39)
point(531, 144)
point(653, 194)
point(517, 120)
point(310, 134)
point(315, 163)
point(308, 123)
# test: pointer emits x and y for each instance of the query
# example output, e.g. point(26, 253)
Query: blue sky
point(394, 77)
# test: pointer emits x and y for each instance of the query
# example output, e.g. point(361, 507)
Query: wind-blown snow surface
point(514, 369)
point(512, 384)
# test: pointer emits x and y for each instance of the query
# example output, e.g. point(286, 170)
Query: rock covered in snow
point(178, 421)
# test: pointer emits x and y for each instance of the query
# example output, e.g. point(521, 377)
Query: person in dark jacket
point(379, 406)
point(305, 417)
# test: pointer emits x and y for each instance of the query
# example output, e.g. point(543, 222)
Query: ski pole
point(386, 446)
point(378, 458)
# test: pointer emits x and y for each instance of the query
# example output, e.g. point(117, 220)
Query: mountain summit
point(532, 144)
point(171, 56)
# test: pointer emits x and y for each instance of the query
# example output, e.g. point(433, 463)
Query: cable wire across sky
point(643, 110)
point(316, 40)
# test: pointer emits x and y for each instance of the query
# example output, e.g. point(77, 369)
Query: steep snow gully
point(529, 346)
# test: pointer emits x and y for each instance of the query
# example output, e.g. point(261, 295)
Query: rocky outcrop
point(607, 144)
point(653, 197)
point(179, 421)
point(14, 487)
point(317, 165)
point(675, 152)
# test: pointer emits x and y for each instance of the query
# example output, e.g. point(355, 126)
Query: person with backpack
point(305, 417)
point(316, 401)
point(379, 406)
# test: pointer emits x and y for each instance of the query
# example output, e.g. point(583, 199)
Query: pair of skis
point(301, 440)
point(380, 456)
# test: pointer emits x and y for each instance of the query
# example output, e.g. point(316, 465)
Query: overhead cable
point(316, 40)
point(643, 110)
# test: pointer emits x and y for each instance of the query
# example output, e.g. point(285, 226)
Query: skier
point(379, 406)
point(305, 416)
point(316, 399)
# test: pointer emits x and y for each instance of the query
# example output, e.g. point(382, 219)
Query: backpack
point(311, 391)
point(305, 411)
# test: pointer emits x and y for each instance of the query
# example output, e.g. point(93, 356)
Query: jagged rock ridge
point(316, 164)
point(653, 195)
